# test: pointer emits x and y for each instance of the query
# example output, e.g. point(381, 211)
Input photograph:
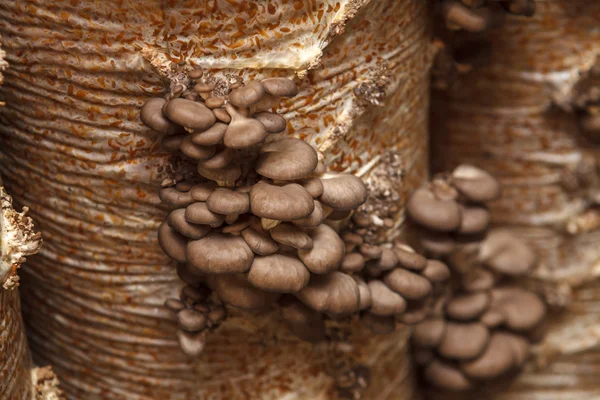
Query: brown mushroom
point(519, 347)
point(242, 131)
point(408, 284)
point(371, 252)
point(152, 116)
point(504, 253)
point(191, 344)
point(219, 254)
point(172, 143)
point(467, 306)
point(464, 341)
point(365, 294)
point(378, 324)
point(189, 114)
point(388, 260)
point(522, 310)
point(335, 293)
point(305, 323)
point(278, 273)
point(195, 152)
point(234, 290)
point(327, 251)
point(172, 242)
point(226, 175)
point(475, 184)
point(408, 258)
point(222, 115)
point(429, 333)
point(313, 186)
point(280, 87)
point(474, 220)
point(471, 20)
point(201, 191)
point(291, 235)
point(273, 123)
point(436, 271)
point(247, 95)
point(445, 376)
point(493, 362)
point(177, 221)
point(191, 320)
point(225, 201)
point(285, 203)
point(175, 198)
point(286, 159)
point(352, 262)
point(343, 192)
point(210, 137)
point(314, 219)
point(220, 160)
point(384, 302)
point(198, 213)
point(174, 305)
point(425, 209)
point(477, 279)
point(259, 243)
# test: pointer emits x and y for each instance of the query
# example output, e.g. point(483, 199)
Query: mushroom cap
point(467, 18)
point(305, 323)
point(174, 305)
point(177, 221)
point(273, 123)
point(235, 291)
point(191, 344)
point(504, 253)
point(365, 293)
point(278, 273)
point(475, 219)
point(285, 203)
point(198, 213)
point(467, 306)
point(378, 324)
point(519, 346)
point(243, 132)
point(477, 279)
point(408, 284)
point(387, 260)
point(225, 201)
point(445, 376)
point(522, 310)
point(267, 102)
point(493, 362)
point(384, 302)
point(172, 242)
point(175, 198)
point(259, 243)
point(352, 262)
point(409, 259)
point(219, 254)
point(475, 184)
point(335, 293)
point(291, 235)
point(189, 114)
point(314, 219)
point(201, 191)
point(313, 186)
point(464, 341)
point(195, 152)
point(191, 320)
point(247, 95)
point(220, 160)
point(371, 252)
point(429, 333)
point(425, 209)
point(230, 173)
point(327, 252)
point(280, 87)
point(210, 137)
point(286, 160)
point(344, 192)
point(152, 116)
point(436, 271)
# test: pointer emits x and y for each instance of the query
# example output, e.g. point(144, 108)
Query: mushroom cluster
point(479, 15)
point(450, 210)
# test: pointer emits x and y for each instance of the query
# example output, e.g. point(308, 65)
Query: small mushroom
point(445, 376)
point(226, 202)
point(280, 87)
point(266, 103)
point(384, 302)
point(175, 198)
point(313, 186)
point(408, 258)
point(273, 123)
point(291, 235)
point(189, 114)
point(236, 226)
point(305, 323)
point(210, 137)
point(278, 273)
point(172, 242)
point(195, 152)
point(495, 360)
point(174, 305)
point(152, 116)
point(475, 184)
point(227, 175)
point(504, 253)
point(429, 333)
point(220, 160)
point(191, 320)
point(242, 131)
point(353, 262)
point(314, 219)
point(247, 95)
point(177, 221)
point(471, 20)
point(335, 293)
point(492, 318)
point(387, 261)
point(474, 220)
point(371, 252)
point(467, 306)
point(191, 344)
point(343, 192)
point(286, 160)
point(464, 341)
point(519, 347)
point(327, 251)
point(522, 310)
point(477, 279)
point(436, 271)
point(234, 290)
point(219, 254)
point(201, 191)
point(285, 203)
point(259, 243)
point(425, 209)
point(222, 115)
point(408, 284)
point(365, 294)
point(378, 324)
point(198, 213)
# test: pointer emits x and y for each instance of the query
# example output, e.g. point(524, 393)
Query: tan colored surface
point(72, 138)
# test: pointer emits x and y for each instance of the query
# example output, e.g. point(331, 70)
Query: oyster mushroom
point(242, 131)
point(445, 376)
point(409, 259)
point(235, 291)
point(285, 203)
point(471, 20)
point(191, 344)
point(365, 293)
point(152, 116)
point(314, 186)
point(433, 213)
point(314, 219)
point(286, 160)
point(278, 273)
point(177, 221)
point(259, 243)
point(219, 161)
point(219, 254)
point(247, 95)
point(475, 184)
point(385, 302)
point(172, 242)
point(468, 306)
point(194, 151)
point(273, 123)
point(493, 362)
point(429, 333)
point(189, 114)
point(343, 192)
point(436, 271)
point(226, 175)
point(464, 341)
point(353, 262)
point(522, 310)
point(280, 87)
point(210, 137)
point(291, 235)
point(504, 253)
point(474, 220)
point(327, 252)
point(408, 284)
point(335, 293)
point(175, 198)
point(198, 213)
point(226, 202)
point(191, 320)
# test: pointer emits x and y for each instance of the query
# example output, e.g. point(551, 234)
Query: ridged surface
point(73, 149)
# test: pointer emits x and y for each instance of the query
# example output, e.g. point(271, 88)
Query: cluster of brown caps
point(196, 313)
point(479, 15)
point(450, 210)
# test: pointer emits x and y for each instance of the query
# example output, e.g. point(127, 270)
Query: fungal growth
point(478, 15)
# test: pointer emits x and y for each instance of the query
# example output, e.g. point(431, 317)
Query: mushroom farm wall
point(74, 150)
